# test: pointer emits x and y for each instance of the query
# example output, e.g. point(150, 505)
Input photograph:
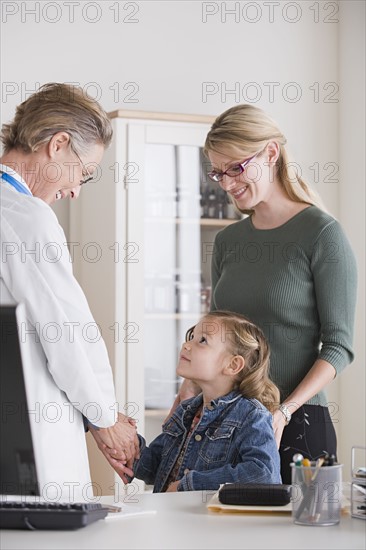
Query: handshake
point(119, 444)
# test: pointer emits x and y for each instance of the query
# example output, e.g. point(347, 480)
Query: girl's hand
point(173, 487)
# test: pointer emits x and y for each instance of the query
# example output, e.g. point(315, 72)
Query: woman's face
point(64, 171)
point(255, 184)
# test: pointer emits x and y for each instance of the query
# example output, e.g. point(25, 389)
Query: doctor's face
point(78, 171)
point(62, 170)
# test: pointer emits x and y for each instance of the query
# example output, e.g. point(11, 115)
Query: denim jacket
point(234, 442)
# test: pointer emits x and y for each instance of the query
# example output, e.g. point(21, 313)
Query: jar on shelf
point(231, 211)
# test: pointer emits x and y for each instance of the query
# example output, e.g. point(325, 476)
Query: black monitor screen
point(18, 469)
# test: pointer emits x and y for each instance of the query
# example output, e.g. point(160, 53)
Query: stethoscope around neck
point(18, 186)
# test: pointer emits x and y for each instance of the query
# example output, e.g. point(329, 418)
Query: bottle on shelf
point(176, 292)
point(149, 292)
point(231, 211)
point(184, 299)
point(204, 202)
point(162, 293)
point(184, 209)
point(221, 206)
point(182, 295)
point(212, 203)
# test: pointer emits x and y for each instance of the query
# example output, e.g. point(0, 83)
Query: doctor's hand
point(279, 424)
point(122, 469)
point(119, 441)
point(187, 390)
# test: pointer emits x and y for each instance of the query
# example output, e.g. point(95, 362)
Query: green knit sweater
point(298, 283)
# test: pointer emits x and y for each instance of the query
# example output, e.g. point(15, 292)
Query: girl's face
point(205, 356)
point(255, 184)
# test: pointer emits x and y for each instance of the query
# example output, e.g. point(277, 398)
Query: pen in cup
point(307, 490)
point(307, 472)
point(319, 503)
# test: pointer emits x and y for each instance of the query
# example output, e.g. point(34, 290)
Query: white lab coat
point(69, 361)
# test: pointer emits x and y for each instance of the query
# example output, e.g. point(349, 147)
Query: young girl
point(225, 433)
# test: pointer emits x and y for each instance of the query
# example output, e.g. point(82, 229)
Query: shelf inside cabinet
point(177, 316)
point(156, 413)
point(203, 222)
point(215, 222)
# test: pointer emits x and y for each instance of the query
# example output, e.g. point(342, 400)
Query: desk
point(183, 522)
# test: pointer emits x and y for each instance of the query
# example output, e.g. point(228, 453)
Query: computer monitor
point(18, 474)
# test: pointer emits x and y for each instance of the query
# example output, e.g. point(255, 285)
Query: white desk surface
point(182, 522)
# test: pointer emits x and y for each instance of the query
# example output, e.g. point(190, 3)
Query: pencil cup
point(316, 494)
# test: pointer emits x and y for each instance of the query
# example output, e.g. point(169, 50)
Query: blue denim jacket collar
point(222, 400)
point(182, 418)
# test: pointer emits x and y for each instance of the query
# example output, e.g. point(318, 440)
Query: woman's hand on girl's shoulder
point(279, 424)
point(187, 390)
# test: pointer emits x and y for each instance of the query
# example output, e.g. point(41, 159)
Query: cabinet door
point(97, 229)
point(142, 251)
point(98, 246)
point(164, 268)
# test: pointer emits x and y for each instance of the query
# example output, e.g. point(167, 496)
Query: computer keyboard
point(47, 515)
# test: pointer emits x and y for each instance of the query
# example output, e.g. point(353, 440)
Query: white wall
point(352, 412)
point(301, 61)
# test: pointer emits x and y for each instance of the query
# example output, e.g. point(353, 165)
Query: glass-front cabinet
point(145, 236)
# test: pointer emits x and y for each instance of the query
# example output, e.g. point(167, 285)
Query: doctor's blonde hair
point(244, 338)
point(244, 130)
point(56, 108)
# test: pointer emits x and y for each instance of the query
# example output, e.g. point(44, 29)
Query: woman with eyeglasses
point(289, 268)
point(51, 148)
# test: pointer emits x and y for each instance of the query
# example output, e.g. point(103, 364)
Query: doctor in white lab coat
point(51, 148)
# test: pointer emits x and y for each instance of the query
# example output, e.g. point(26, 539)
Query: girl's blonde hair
point(246, 130)
point(57, 108)
point(246, 339)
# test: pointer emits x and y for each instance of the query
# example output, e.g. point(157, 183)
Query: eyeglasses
point(232, 172)
point(88, 176)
